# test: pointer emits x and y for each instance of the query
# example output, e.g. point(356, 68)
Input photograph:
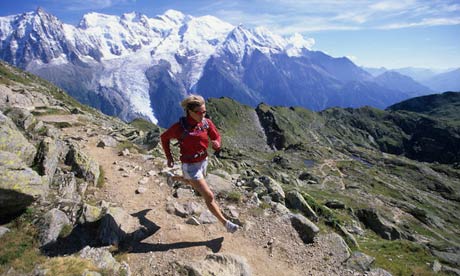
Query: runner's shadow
point(140, 247)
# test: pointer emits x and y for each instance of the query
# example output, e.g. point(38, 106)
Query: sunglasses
point(200, 112)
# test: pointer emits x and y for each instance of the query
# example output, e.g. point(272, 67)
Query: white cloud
point(74, 5)
point(287, 17)
point(298, 41)
point(392, 5)
point(424, 22)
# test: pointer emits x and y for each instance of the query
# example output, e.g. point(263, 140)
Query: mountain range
point(134, 66)
point(436, 80)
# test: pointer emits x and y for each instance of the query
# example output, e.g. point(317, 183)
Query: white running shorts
point(195, 171)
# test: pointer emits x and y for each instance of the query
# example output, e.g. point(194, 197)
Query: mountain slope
point(282, 172)
point(449, 81)
point(397, 81)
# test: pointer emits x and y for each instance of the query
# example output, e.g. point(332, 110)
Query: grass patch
point(62, 124)
point(399, 257)
point(68, 266)
point(19, 249)
point(101, 178)
point(142, 124)
point(43, 110)
point(234, 196)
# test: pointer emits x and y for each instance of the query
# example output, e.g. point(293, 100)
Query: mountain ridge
point(110, 55)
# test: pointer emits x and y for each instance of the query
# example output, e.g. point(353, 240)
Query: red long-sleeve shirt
point(196, 142)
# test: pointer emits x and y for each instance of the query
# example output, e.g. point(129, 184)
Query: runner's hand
point(215, 145)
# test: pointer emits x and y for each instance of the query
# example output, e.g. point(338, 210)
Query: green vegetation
point(142, 124)
point(65, 231)
point(101, 178)
point(68, 266)
point(19, 247)
point(44, 110)
point(234, 196)
point(399, 257)
point(133, 148)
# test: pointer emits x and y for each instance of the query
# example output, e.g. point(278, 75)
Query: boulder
point(378, 272)
point(82, 165)
point(360, 261)
point(66, 185)
point(117, 226)
point(372, 219)
point(275, 191)
point(335, 204)
point(3, 231)
point(295, 200)
point(21, 117)
point(48, 155)
point(207, 217)
point(19, 185)
point(215, 264)
point(103, 259)
point(107, 141)
point(12, 140)
point(152, 138)
point(219, 185)
point(90, 214)
point(51, 226)
point(307, 230)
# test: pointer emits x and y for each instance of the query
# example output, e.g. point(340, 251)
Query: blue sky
point(389, 33)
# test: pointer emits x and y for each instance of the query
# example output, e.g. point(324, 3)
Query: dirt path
point(269, 245)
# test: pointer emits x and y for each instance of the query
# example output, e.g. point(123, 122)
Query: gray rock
point(103, 259)
point(48, 155)
point(360, 261)
point(449, 256)
point(51, 226)
point(90, 213)
point(436, 266)
point(372, 219)
point(207, 217)
point(275, 190)
point(193, 221)
point(12, 140)
point(107, 141)
point(186, 192)
point(219, 185)
point(118, 226)
point(3, 231)
point(296, 201)
point(280, 209)
point(307, 230)
point(66, 185)
point(21, 117)
point(350, 238)
point(216, 264)
point(338, 246)
point(450, 270)
point(82, 165)
point(335, 204)
point(19, 184)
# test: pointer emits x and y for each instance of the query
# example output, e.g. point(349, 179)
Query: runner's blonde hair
point(191, 102)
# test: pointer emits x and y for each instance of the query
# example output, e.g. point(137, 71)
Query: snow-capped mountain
point(132, 65)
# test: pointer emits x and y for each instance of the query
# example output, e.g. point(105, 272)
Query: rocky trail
point(267, 244)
